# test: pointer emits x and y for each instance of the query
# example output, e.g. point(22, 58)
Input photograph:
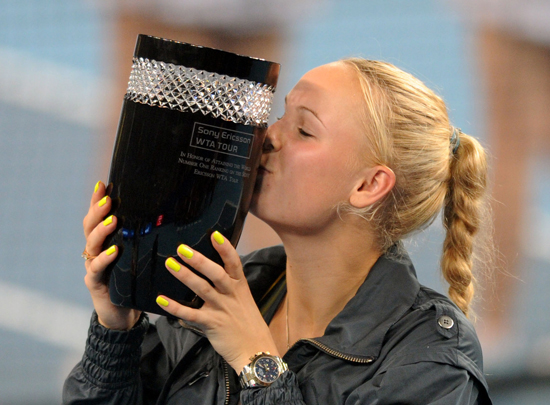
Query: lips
point(262, 170)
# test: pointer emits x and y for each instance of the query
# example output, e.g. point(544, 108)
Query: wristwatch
point(264, 369)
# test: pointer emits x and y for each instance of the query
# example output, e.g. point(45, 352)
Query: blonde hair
point(408, 130)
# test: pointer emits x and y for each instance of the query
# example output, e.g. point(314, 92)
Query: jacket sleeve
point(284, 391)
point(422, 383)
point(109, 370)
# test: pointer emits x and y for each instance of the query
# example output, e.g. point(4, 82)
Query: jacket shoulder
point(434, 330)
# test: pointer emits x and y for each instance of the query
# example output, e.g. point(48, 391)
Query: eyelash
point(302, 132)
point(300, 129)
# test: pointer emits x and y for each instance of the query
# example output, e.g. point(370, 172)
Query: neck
point(324, 271)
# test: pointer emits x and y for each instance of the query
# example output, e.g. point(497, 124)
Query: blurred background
point(64, 66)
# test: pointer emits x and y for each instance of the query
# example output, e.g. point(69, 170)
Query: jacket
point(395, 342)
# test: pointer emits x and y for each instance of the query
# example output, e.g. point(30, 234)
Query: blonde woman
point(363, 156)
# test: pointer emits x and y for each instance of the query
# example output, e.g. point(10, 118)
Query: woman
point(363, 156)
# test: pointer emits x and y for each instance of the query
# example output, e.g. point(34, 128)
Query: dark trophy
point(184, 163)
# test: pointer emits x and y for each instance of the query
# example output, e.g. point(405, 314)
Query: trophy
point(184, 164)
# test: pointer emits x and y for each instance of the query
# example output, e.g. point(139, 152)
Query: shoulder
point(436, 332)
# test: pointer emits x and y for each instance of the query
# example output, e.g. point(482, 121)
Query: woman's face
point(313, 155)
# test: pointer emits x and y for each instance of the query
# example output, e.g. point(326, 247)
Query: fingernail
point(96, 186)
point(162, 301)
point(108, 220)
point(111, 250)
point(185, 251)
point(218, 238)
point(172, 264)
point(102, 202)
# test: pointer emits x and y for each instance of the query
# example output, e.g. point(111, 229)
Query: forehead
point(332, 88)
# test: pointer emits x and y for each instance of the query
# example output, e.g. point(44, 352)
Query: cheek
point(304, 195)
point(318, 185)
point(329, 171)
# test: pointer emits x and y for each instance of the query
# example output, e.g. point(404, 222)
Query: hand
point(96, 229)
point(229, 316)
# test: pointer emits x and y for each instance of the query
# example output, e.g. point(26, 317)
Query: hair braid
point(463, 214)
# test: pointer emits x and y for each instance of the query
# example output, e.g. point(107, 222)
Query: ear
point(374, 185)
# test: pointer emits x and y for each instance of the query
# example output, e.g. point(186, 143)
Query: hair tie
point(455, 139)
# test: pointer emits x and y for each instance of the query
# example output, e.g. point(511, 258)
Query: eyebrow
point(303, 107)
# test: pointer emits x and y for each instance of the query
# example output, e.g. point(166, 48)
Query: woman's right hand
point(96, 229)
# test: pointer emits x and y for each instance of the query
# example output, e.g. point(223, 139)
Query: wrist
point(122, 325)
point(262, 370)
point(112, 357)
point(239, 364)
point(138, 327)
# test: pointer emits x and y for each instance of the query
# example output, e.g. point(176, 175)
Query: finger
point(96, 238)
point(188, 314)
point(95, 268)
point(211, 270)
point(98, 194)
point(197, 284)
point(230, 257)
point(97, 212)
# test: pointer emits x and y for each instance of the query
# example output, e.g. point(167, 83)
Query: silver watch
point(264, 369)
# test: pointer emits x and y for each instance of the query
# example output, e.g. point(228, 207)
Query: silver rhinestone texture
point(186, 89)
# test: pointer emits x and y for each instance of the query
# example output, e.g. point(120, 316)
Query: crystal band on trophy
point(184, 163)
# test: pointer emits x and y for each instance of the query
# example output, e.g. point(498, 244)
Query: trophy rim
point(207, 58)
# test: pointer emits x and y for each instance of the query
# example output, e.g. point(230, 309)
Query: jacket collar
point(358, 331)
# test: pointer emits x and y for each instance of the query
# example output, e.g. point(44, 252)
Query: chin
point(258, 212)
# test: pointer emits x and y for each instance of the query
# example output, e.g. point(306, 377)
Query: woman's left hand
point(229, 316)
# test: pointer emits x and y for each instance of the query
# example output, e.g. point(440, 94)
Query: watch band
point(262, 371)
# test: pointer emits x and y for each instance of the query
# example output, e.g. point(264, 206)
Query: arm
point(109, 370)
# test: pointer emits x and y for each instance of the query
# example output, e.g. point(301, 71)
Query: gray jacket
point(395, 342)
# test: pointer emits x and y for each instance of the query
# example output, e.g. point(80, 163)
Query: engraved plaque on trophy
point(184, 163)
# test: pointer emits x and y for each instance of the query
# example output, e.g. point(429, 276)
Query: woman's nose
point(272, 142)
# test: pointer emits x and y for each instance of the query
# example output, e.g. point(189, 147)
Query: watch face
point(266, 369)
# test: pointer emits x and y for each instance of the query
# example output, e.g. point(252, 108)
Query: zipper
point(334, 353)
point(204, 374)
point(226, 377)
point(190, 327)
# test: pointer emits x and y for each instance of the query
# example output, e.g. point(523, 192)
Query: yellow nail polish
point(111, 250)
point(218, 238)
point(162, 301)
point(108, 221)
point(172, 264)
point(102, 202)
point(185, 251)
point(96, 186)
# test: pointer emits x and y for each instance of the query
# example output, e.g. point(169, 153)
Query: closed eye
point(302, 132)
